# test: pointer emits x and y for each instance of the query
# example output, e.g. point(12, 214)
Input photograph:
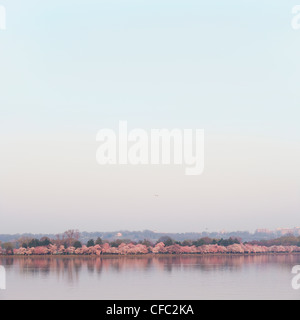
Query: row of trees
point(160, 248)
point(200, 242)
point(288, 240)
point(70, 239)
point(67, 239)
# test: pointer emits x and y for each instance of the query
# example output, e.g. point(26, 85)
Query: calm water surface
point(186, 277)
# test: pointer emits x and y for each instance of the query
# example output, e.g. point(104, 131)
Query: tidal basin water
point(177, 277)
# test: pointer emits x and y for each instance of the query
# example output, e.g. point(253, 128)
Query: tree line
point(71, 238)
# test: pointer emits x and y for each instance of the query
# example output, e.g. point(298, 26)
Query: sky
point(70, 68)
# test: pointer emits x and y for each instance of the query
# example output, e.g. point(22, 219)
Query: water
point(184, 277)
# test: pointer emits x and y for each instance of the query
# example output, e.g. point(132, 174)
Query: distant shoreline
point(151, 255)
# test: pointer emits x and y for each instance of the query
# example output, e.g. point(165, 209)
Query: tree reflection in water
point(70, 268)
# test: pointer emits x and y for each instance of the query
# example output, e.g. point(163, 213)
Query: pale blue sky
point(69, 68)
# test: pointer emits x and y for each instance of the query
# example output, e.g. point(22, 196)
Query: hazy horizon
point(71, 68)
point(159, 231)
